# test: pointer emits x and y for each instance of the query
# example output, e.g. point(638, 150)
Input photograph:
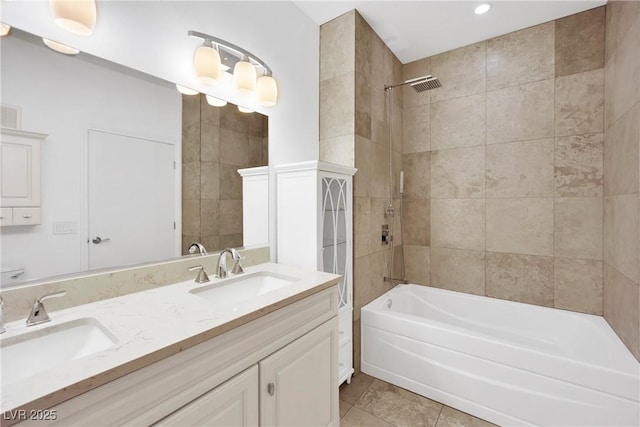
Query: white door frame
point(84, 187)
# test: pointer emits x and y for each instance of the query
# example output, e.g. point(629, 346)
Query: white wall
point(60, 96)
point(151, 36)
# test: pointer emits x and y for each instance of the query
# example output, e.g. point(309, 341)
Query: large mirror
point(132, 171)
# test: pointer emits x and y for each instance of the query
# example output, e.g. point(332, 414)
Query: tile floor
point(369, 402)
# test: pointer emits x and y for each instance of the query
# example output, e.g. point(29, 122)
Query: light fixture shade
point(267, 91)
point(4, 29)
point(244, 76)
point(244, 109)
point(59, 47)
point(186, 90)
point(215, 102)
point(207, 65)
point(75, 16)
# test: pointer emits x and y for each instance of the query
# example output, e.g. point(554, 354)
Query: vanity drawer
point(6, 216)
point(26, 216)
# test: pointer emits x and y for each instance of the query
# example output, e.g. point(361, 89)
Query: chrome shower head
point(426, 83)
point(419, 84)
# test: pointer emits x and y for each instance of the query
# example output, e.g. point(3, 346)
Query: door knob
point(97, 240)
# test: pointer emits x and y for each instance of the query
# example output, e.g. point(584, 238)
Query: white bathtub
point(506, 362)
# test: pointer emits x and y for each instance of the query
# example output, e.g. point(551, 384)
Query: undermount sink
point(243, 287)
point(34, 352)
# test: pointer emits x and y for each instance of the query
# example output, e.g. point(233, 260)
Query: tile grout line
point(439, 415)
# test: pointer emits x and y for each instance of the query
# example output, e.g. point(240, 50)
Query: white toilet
point(11, 275)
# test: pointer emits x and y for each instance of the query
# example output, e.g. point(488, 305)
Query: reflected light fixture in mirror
point(186, 90)
point(246, 68)
point(215, 102)
point(75, 16)
point(59, 47)
point(245, 109)
point(4, 29)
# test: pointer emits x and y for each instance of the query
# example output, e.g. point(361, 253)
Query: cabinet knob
point(26, 216)
point(271, 389)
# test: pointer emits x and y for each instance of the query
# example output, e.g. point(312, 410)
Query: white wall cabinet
point(20, 177)
point(315, 230)
point(225, 380)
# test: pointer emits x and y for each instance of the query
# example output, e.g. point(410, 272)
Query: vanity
point(258, 348)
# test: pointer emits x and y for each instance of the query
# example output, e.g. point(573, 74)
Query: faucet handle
point(202, 276)
point(237, 267)
point(38, 311)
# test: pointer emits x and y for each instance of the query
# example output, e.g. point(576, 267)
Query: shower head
point(419, 84)
point(426, 83)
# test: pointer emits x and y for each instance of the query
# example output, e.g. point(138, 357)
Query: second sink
point(243, 287)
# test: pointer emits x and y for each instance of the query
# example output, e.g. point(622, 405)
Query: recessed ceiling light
point(482, 9)
point(59, 47)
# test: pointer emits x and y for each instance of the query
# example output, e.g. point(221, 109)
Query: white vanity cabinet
point(315, 230)
point(20, 177)
point(279, 369)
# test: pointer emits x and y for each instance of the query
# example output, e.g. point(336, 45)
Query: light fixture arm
point(238, 52)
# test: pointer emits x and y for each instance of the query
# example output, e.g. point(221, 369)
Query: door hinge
point(174, 165)
point(174, 225)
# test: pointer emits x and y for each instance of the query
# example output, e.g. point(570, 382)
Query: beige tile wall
point(216, 142)
point(508, 159)
point(621, 237)
point(355, 65)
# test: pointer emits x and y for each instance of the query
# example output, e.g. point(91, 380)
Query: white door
point(299, 383)
point(131, 200)
point(233, 404)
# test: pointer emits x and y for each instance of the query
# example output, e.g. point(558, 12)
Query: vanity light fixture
point(245, 109)
point(75, 16)
point(251, 75)
point(4, 29)
point(215, 102)
point(186, 90)
point(206, 62)
point(61, 48)
point(482, 8)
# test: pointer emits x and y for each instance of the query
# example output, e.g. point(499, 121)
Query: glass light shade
point(4, 29)
point(207, 65)
point(215, 102)
point(75, 16)
point(186, 90)
point(59, 47)
point(267, 91)
point(244, 109)
point(244, 76)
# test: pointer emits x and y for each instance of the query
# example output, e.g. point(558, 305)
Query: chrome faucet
point(221, 267)
point(202, 276)
point(2, 328)
point(197, 246)
point(39, 313)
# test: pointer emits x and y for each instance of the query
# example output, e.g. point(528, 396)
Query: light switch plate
point(65, 227)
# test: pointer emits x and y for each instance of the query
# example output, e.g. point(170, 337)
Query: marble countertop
point(150, 326)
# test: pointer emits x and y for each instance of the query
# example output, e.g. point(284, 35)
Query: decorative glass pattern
point(335, 236)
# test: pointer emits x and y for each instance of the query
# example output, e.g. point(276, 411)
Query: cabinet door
point(298, 384)
point(234, 403)
point(20, 170)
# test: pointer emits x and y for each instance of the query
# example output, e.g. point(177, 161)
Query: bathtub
point(506, 362)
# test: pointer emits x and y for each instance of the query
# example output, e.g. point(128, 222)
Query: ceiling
point(418, 29)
